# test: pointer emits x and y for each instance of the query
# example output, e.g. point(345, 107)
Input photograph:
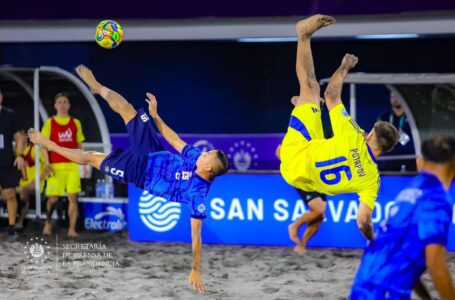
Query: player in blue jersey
point(414, 237)
point(184, 178)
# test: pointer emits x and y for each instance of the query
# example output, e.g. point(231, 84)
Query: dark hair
point(224, 162)
point(439, 149)
point(387, 135)
point(61, 95)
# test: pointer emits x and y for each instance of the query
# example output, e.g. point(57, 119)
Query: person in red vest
point(27, 182)
point(65, 131)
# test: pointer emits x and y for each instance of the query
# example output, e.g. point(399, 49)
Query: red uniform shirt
point(64, 136)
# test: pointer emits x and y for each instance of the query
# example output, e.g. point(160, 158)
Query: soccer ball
point(109, 34)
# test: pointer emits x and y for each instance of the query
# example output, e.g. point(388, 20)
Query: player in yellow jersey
point(346, 162)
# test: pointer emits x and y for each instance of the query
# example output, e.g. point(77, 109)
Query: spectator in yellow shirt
point(65, 131)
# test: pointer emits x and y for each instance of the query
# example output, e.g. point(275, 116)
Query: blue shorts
point(370, 291)
point(307, 197)
point(130, 165)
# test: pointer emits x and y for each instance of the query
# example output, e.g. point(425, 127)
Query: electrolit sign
point(257, 209)
point(104, 214)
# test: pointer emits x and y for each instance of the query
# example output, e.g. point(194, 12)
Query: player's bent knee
point(72, 200)
point(320, 212)
point(52, 200)
point(128, 112)
point(318, 207)
point(10, 194)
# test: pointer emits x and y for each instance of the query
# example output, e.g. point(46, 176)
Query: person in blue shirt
point(184, 178)
point(415, 235)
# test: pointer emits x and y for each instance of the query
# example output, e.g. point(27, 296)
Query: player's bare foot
point(87, 76)
point(38, 139)
point(299, 249)
point(294, 233)
point(72, 233)
point(349, 61)
point(47, 230)
point(306, 28)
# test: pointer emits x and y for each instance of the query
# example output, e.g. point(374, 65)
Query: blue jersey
point(173, 177)
point(162, 173)
point(395, 259)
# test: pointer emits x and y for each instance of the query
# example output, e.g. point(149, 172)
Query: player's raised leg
point(117, 103)
point(309, 87)
point(332, 93)
point(76, 155)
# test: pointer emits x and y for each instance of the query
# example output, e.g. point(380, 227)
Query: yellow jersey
point(341, 164)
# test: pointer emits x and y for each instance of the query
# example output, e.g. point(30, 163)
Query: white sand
point(159, 271)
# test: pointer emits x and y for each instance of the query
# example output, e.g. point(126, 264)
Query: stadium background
point(224, 85)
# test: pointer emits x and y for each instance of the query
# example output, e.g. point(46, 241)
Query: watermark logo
point(87, 255)
point(112, 219)
point(243, 155)
point(36, 250)
point(157, 213)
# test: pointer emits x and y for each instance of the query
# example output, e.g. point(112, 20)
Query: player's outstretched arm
point(364, 221)
point(332, 93)
point(169, 134)
point(439, 271)
point(76, 155)
point(195, 276)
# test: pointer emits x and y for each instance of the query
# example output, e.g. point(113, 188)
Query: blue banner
point(256, 210)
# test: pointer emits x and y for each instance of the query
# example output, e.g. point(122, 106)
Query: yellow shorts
point(305, 126)
point(30, 171)
point(65, 178)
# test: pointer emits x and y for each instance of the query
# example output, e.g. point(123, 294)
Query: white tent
point(27, 88)
point(428, 100)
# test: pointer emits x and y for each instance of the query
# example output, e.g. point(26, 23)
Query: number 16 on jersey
point(333, 175)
